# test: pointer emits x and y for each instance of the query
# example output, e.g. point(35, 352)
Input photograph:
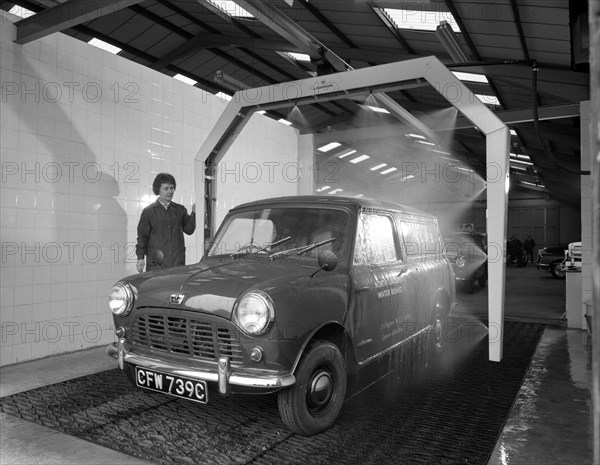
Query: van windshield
point(303, 231)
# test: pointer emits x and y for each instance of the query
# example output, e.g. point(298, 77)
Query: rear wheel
point(314, 402)
point(558, 270)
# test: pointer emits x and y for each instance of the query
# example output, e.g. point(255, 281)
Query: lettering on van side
point(389, 292)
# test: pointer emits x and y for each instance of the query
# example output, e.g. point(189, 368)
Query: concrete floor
point(550, 422)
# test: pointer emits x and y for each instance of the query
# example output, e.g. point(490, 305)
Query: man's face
point(166, 191)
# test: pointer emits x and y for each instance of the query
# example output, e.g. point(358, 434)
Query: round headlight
point(121, 298)
point(461, 262)
point(254, 313)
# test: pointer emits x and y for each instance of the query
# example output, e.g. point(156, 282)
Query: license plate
point(178, 386)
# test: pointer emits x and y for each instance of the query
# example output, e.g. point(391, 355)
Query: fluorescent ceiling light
point(261, 112)
point(406, 178)
point(187, 80)
point(521, 161)
point(533, 184)
point(223, 96)
point(442, 152)
point(389, 170)
point(231, 8)
point(462, 168)
point(298, 56)
point(416, 136)
point(21, 12)
point(324, 188)
point(378, 167)
point(451, 43)
point(104, 46)
point(330, 146)
point(520, 168)
point(377, 109)
point(425, 142)
point(358, 196)
point(513, 132)
point(421, 20)
point(335, 191)
point(284, 121)
point(488, 99)
point(471, 77)
point(359, 159)
point(344, 155)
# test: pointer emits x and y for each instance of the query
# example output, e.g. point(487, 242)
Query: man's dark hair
point(162, 178)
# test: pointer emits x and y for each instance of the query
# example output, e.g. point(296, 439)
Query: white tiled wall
point(261, 163)
point(83, 134)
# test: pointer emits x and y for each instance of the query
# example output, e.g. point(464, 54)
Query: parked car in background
point(292, 295)
point(551, 259)
point(467, 253)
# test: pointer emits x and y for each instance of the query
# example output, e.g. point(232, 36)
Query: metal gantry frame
point(383, 78)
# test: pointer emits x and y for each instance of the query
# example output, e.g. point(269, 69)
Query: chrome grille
point(180, 335)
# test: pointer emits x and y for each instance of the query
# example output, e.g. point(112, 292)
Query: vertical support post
point(306, 159)
point(200, 182)
point(497, 147)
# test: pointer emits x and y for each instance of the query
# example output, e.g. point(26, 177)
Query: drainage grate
point(426, 409)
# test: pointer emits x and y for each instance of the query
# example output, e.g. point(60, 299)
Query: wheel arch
point(333, 332)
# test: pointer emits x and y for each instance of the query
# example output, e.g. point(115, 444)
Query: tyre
point(314, 402)
point(557, 270)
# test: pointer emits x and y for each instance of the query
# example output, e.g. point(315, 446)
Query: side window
point(410, 231)
point(375, 240)
point(421, 239)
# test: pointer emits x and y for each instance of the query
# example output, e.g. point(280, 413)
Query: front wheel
point(314, 402)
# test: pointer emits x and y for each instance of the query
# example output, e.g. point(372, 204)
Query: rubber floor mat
point(425, 408)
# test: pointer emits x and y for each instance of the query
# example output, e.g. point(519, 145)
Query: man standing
point(161, 228)
point(528, 245)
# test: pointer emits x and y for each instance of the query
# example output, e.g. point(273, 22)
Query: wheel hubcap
point(320, 389)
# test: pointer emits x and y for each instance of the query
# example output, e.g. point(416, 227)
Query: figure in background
point(528, 245)
point(161, 228)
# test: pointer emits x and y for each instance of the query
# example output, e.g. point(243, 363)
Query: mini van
point(292, 295)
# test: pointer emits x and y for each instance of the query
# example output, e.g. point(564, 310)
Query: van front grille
point(186, 336)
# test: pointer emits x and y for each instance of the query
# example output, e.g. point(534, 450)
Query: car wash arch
point(377, 80)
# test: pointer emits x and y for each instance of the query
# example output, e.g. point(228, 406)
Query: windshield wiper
point(309, 247)
point(280, 241)
point(254, 248)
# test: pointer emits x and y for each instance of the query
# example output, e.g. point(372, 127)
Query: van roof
point(330, 200)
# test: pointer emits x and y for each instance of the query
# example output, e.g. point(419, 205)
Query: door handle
point(402, 271)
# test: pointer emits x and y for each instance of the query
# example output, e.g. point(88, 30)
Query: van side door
point(374, 261)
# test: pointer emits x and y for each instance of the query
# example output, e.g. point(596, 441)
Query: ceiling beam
point(515, 116)
point(289, 30)
point(64, 16)
point(449, 124)
point(284, 26)
point(392, 28)
point(519, 24)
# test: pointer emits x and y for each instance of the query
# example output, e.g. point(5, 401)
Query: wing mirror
point(327, 260)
